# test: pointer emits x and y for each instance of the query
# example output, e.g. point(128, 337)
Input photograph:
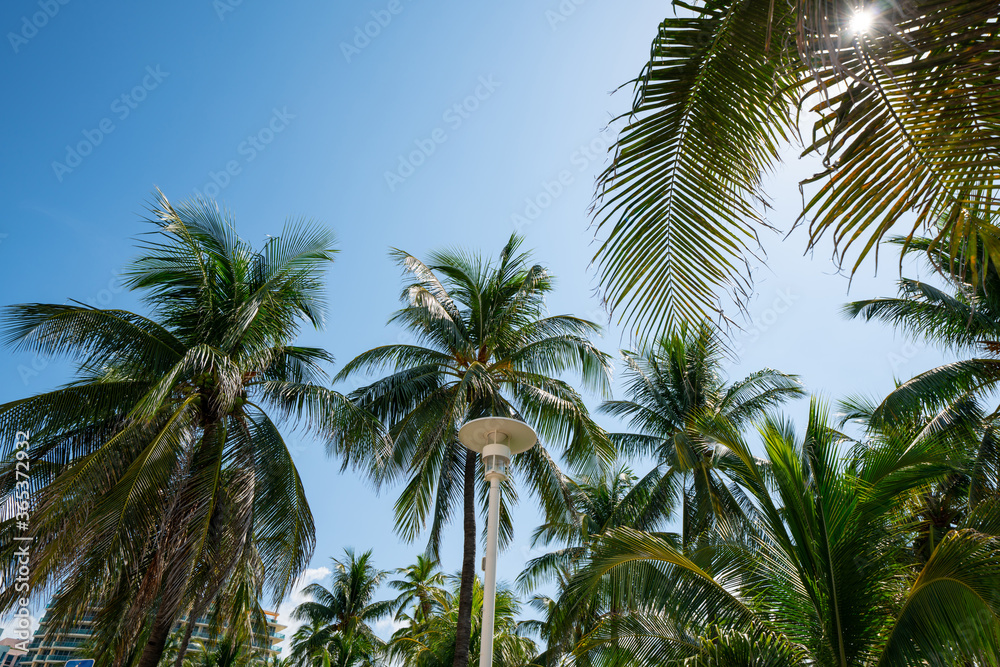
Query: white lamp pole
point(497, 439)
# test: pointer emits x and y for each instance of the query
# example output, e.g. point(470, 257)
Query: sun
point(861, 21)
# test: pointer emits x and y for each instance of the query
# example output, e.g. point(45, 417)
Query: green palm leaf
point(681, 200)
point(906, 117)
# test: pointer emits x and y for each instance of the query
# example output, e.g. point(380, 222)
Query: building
point(65, 645)
point(10, 656)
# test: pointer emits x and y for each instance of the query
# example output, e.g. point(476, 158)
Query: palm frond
point(682, 200)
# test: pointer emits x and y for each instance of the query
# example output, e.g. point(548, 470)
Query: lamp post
point(496, 439)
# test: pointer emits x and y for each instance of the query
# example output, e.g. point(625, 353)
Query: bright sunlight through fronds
point(862, 21)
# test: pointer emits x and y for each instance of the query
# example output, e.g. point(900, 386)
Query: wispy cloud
point(310, 576)
point(385, 627)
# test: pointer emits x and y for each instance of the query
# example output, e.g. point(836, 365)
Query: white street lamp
point(497, 439)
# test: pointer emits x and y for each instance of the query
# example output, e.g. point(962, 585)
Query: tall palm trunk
point(170, 606)
point(169, 609)
point(425, 607)
point(176, 576)
point(182, 649)
point(158, 636)
point(463, 628)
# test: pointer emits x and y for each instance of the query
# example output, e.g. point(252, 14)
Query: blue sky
point(396, 122)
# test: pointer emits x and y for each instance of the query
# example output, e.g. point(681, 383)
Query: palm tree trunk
point(182, 649)
point(175, 578)
point(158, 635)
point(425, 607)
point(463, 629)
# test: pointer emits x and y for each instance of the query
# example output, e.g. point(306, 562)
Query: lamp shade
point(518, 436)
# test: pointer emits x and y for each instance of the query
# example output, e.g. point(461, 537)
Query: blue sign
point(79, 663)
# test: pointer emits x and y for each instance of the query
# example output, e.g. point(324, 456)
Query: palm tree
point(944, 506)
point(338, 630)
point(170, 650)
point(312, 645)
point(682, 201)
point(610, 501)
point(674, 387)
point(827, 578)
point(431, 642)
point(225, 654)
point(947, 401)
point(483, 348)
point(420, 586)
point(547, 629)
point(161, 486)
point(599, 505)
point(964, 320)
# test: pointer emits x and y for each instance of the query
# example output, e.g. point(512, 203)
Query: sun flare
point(862, 20)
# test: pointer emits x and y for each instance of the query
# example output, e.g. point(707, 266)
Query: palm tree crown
point(339, 618)
point(161, 484)
point(602, 504)
point(675, 388)
point(431, 642)
point(484, 347)
point(419, 588)
point(826, 577)
point(964, 320)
